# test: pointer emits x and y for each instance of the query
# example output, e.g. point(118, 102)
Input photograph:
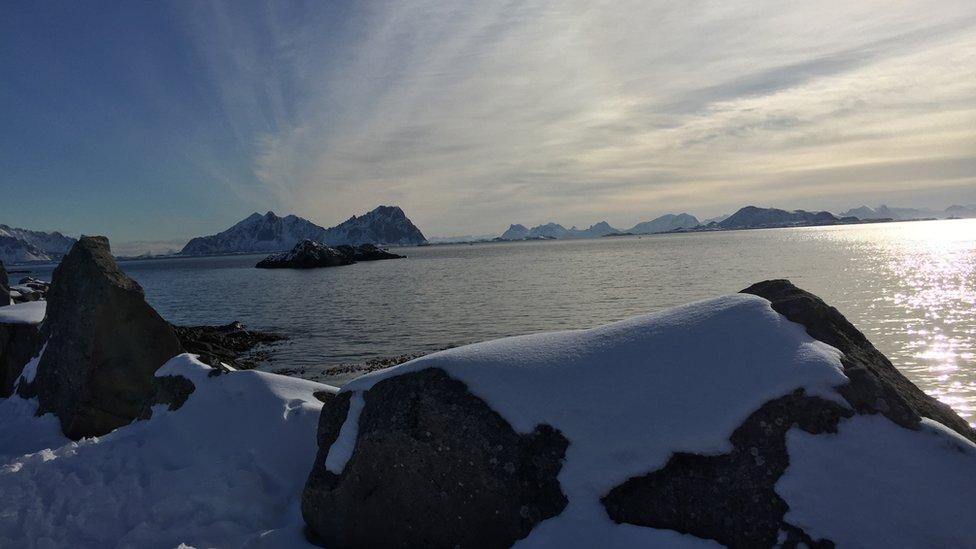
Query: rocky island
point(309, 254)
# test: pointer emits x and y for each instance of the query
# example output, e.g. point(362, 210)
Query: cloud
point(474, 116)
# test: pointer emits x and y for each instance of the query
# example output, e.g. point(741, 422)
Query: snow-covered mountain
point(885, 212)
point(25, 246)
point(556, 231)
point(665, 223)
point(752, 216)
point(14, 251)
point(271, 233)
point(889, 212)
point(384, 225)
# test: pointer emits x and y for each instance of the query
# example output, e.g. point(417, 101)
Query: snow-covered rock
point(677, 428)
point(309, 254)
point(271, 233)
point(225, 470)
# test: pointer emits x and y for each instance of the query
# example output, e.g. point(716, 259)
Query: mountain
point(515, 232)
point(716, 219)
point(25, 246)
point(961, 211)
point(665, 223)
point(885, 212)
point(271, 233)
point(754, 217)
point(555, 231)
point(14, 251)
point(384, 225)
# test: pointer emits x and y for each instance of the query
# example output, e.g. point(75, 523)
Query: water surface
point(911, 287)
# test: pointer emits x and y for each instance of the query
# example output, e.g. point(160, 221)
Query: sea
point(909, 286)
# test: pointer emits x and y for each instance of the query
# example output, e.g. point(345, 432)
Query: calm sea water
point(911, 287)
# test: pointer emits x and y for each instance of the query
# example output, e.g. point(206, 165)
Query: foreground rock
point(103, 345)
point(309, 254)
point(20, 339)
point(723, 420)
point(422, 475)
point(231, 344)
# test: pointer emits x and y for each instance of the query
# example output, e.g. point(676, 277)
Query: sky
point(152, 122)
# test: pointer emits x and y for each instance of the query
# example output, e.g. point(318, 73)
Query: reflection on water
point(911, 287)
point(927, 303)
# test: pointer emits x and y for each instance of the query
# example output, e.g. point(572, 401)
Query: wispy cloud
point(472, 116)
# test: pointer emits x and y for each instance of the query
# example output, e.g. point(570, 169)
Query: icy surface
point(225, 470)
point(628, 394)
point(875, 484)
point(30, 312)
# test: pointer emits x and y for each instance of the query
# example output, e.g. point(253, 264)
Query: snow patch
point(225, 470)
point(339, 453)
point(926, 481)
point(29, 372)
point(30, 312)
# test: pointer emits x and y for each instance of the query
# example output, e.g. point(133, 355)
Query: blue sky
point(152, 121)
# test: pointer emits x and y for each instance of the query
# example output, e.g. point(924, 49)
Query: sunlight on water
point(928, 271)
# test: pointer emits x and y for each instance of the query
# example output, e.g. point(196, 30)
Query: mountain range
point(555, 231)
point(885, 212)
point(25, 246)
point(386, 225)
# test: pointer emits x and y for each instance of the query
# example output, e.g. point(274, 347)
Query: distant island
point(663, 224)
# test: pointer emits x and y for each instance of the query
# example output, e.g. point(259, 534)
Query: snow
point(225, 470)
point(31, 312)
point(30, 369)
point(628, 395)
point(904, 489)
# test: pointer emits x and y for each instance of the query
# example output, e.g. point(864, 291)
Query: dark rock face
point(367, 252)
point(730, 497)
point(4, 286)
point(876, 386)
point(232, 344)
point(309, 254)
point(104, 344)
point(18, 344)
point(433, 466)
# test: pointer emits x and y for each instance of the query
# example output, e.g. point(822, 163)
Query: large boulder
point(4, 286)
point(711, 420)
point(434, 466)
point(103, 345)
